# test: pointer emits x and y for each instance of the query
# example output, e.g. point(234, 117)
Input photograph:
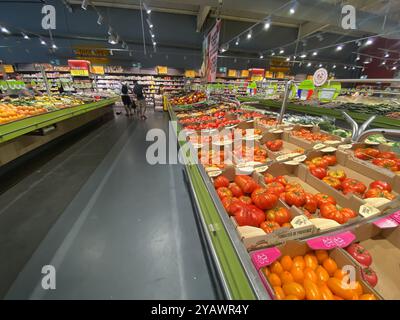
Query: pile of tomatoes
point(388, 159)
point(251, 204)
point(252, 115)
point(295, 195)
point(314, 276)
point(338, 180)
point(212, 158)
point(310, 136)
point(269, 122)
point(189, 99)
point(251, 154)
point(274, 145)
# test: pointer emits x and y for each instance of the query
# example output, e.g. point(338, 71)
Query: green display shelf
point(18, 128)
point(379, 122)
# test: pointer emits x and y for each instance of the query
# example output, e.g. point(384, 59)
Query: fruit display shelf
point(380, 121)
point(12, 130)
point(240, 248)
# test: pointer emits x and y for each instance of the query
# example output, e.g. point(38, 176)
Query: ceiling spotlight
point(358, 57)
point(42, 42)
point(281, 51)
point(111, 53)
point(261, 56)
point(84, 4)
point(237, 42)
point(54, 46)
point(292, 10)
point(154, 43)
point(112, 40)
point(149, 23)
point(272, 53)
point(386, 55)
point(303, 55)
point(148, 10)
point(384, 62)
point(26, 37)
point(394, 68)
point(353, 68)
point(294, 57)
point(345, 67)
point(267, 24)
point(223, 50)
point(109, 32)
point(309, 64)
point(249, 35)
point(320, 65)
point(288, 59)
point(5, 30)
point(100, 20)
point(339, 47)
point(334, 66)
point(368, 42)
point(367, 61)
point(314, 53)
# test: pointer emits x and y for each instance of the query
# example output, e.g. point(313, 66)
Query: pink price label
point(339, 240)
point(265, 257)
point(385, 223)
point(395, 216)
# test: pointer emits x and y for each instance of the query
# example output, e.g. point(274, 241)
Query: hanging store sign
point(269, 74)
point(212, 52)
point(97, 69)
point(79, 68)
point(244, 73)
point(279, 65)
point(8, 68)
point(190, 74)
point(232, 73)
point(320, 77)
point(91, 52)
point(162, 70)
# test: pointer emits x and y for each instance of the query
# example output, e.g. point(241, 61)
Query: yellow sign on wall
point(232, 73)
point(190, 74)
point(162, 70)
point(269, 74)
point(98, 69)
point(244, 73)
point(280, 75)
point(79, 73)
point(8, 68)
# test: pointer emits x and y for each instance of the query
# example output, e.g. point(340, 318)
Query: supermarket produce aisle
point(129, 233)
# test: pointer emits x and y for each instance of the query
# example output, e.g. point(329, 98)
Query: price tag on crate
point(265, 257)
point(261, 169)
point(300, 222)
point(319, 146)
point(340, 240)
point(345, 146)
point(368, 210)
point(300, 158)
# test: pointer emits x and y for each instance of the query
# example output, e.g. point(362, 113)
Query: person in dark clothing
point(141, 100)
point(60, 89)
point(126, 100)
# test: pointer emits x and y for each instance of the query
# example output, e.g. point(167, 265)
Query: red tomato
point(348, 213)
point(295, 198)
point(268, 178)
point(266, 227)
point(353, 186)
point(390, 164)
point(370, 276)
point(388, 155)
point(246, 183)
point(257, 215)
point(264, 199)
point(275, 187)
point(330, 159)
point(338, 174)
point(360, 254)
point(221, 181)
point(371, 152)
point(333, 182)
point(323, 199)
point(320, 162)
point(381, 185)
point(274, 145)
point(245, 199)
point(318, 172)
point(311, 203)
point(236, 191)
point(224, 192)
point(227, 201)
point(360, 154)
point(328, 210)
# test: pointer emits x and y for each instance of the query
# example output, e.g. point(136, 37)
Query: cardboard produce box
point(266, 257)
point(353, 170)
point(306, 144)
point(384, 246)
point(288, 150)
point(300, 174)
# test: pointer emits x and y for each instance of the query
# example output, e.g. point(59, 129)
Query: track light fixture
point(25, 36)
point(149, 23)
point(249, 35)
point(84, 4)
point(148, 10)
point(100, 20)
point(4, 30)
point(237, 42)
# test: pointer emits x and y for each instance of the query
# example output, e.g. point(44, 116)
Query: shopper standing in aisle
point(126, 100)
point(141, 101)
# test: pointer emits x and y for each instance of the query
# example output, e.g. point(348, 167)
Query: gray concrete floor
point(113, 226)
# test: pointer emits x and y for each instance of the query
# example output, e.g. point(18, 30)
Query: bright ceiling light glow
point(387, 55)
point(84, 4)
point(309, 64)
point(237, 42)
point(292, 10)
point(267, 25)
point(281, 51)
point(334, 66)
point(369, 42)
point(42, 42)
point(314, 53)
point(249, 35)
point(303, 55)
point(5, 30)
point(339, 47)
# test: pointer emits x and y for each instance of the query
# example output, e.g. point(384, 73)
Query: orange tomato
point(321, 255)
point(367, 296)
point(335, 285)
point(291, 297)
point(286, 277)
point(294, 289)
point(312, 290)
point(298, 261)
point(326, 293)
point(311, 261)
point(330, 266)
point(274, 279)
point(309, 274)
point(322, 274)
point(339, 274)
point(280, 295)
point(276, 267)
point(287, 263)
point(298, 274)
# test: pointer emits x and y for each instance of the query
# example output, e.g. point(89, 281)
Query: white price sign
point(368, 211)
